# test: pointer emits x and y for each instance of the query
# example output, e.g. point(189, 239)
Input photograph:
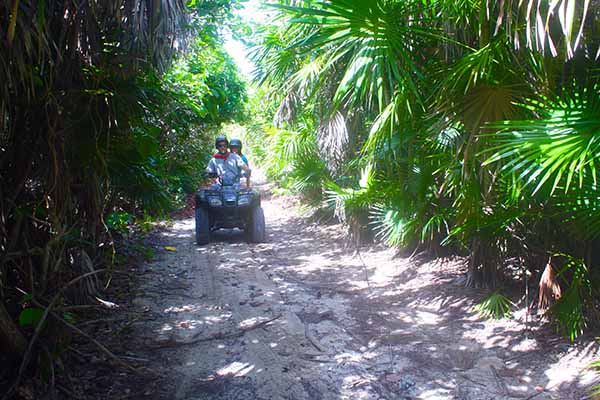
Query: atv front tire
point(202, 226)
point(256, 230)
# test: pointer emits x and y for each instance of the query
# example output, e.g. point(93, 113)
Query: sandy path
point(303, 317)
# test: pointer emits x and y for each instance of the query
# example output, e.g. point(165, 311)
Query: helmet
point(237, 143)
point(219, 139)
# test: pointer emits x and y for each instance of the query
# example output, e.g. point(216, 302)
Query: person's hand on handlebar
point(210, 177)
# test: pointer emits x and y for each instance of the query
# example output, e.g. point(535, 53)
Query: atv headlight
point(244, 200)
point(215, 202)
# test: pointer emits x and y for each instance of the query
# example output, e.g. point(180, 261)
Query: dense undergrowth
point(108, 110)
point(448, 127)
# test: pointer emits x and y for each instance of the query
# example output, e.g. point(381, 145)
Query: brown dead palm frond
point(549, 287)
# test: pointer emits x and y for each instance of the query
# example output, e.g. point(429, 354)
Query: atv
point(226, 205)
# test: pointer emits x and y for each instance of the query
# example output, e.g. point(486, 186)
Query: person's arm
point(247, 174)
point(211, 171)
point(211, 167)
point(240, 163)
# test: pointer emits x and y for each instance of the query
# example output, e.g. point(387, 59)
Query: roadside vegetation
point(467, 128)
point(108, 110)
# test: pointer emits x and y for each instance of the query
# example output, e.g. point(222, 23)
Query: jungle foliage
point(107, 112)
point(467, 127)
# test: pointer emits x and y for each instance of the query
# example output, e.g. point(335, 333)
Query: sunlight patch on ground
point(557, 373)
point(180, 229)
point(236, 368)
point(521, 390)
point(315, 262)
point(249, 322)
point(189, 324)
point(435, 394)
point(418, 317)
point(215, 319)
point(383, 274)
point(391, 293)
point(348, 357)
point(194, 323)
point(184, 308)
point(525, 345)
point(176, 235)
point(427, 318)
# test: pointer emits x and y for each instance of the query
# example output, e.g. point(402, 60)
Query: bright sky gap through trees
point(252, 13)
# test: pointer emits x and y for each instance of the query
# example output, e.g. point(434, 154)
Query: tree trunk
point(483, 271)
point(11, 339)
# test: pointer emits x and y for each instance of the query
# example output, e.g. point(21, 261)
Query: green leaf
point(30, 316)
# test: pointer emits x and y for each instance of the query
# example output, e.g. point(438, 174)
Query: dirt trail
point(303, 317)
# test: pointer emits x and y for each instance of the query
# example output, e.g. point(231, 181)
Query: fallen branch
point(217, 336)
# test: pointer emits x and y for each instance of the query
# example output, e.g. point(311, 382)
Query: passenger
point(224, 164)
point(235, 145)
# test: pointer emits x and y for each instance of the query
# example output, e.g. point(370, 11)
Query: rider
point(226, 164)
point(235, 145)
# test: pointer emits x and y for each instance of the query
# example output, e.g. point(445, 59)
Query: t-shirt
point(226, 165)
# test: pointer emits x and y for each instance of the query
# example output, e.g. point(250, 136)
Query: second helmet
point(236, 143)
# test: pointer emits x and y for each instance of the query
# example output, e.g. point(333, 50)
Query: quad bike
point(226, 205)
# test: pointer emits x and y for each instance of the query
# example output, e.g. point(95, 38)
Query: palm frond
point(495, 306)
point(560, 148)
point(380, 51)
point(333, 140)
point(393, 226)
point(568, 311)
point(544, 25)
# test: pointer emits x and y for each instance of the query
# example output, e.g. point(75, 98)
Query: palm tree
point(423, 72)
